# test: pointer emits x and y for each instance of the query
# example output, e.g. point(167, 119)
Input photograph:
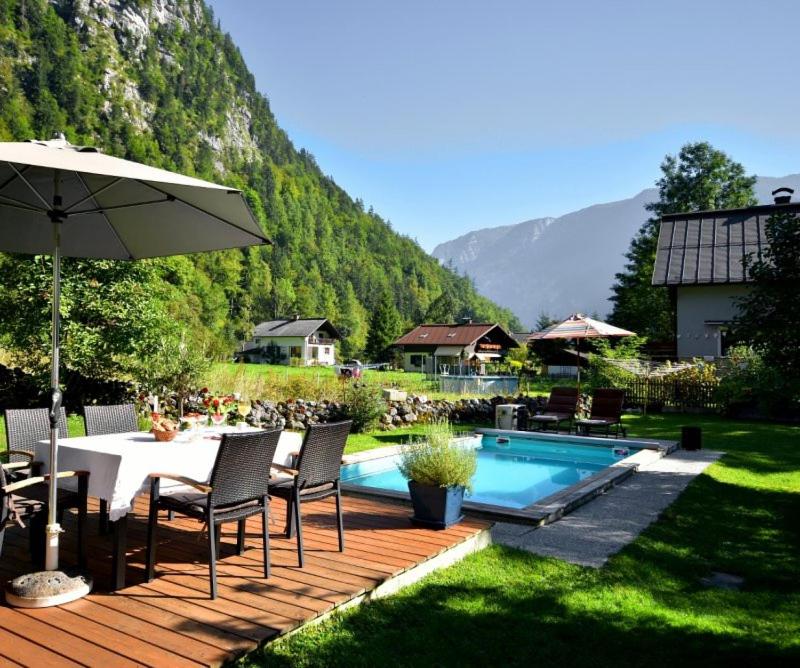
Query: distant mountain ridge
point(561, 265)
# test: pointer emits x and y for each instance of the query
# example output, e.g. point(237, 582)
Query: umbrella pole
point(53, 529)
point(51, 586)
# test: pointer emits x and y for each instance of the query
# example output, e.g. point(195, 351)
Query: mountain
point(560, 265)
point(157, 81)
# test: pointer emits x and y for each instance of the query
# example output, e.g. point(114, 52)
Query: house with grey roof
point(297, 341)
point(701, 259)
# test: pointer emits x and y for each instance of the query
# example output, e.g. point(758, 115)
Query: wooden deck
point(172, 622)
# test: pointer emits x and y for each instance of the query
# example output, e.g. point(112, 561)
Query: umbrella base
point(47, 588)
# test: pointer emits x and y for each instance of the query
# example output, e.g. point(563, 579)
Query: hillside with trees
point(157, 81)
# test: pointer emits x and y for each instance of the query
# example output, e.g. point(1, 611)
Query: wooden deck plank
point(172, 622)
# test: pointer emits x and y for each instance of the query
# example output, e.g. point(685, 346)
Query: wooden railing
point(657, 393)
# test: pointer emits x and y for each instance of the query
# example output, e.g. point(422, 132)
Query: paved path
point(592, 533)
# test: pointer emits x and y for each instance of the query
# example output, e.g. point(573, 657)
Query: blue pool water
point(514, 474)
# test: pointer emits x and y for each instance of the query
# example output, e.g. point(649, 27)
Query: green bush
point(436, 460)
point(363, 404)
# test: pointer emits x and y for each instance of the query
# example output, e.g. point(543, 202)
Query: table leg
point(119, 552)
point(103, 521)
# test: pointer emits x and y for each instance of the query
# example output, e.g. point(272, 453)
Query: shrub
point(363, 404)
point(436, 460)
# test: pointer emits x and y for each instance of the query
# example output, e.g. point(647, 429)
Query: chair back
point(115, 419)
point(27, 426)
point(5, 504)
point(320, 459)
point(242, 468)
point(607, 404)
point(562, 400)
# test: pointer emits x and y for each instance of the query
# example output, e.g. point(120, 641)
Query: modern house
point(301, 341)
point(454, 348)
point(701, 260)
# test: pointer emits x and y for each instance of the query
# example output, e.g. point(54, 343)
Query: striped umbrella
point(578, 327)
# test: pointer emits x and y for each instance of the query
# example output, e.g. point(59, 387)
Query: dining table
point(120, 465)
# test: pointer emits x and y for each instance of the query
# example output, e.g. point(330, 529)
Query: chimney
point(781, 198)
point(297, 316)
point(466, 321)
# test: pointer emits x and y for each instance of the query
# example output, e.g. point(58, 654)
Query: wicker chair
point(238, 488)
point(113, 419)
point(606, 413)
point(560, 407)
point(116, 419)
point(26, 501)
point(25, 427)
point(315, 477)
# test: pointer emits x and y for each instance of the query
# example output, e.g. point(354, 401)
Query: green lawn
point(378, 439)
point(647, 607)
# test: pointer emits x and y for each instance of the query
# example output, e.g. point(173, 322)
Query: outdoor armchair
point(605, 414)
point(237, 489)
point(111, 419)
point(560, 407)
point(25, 427)
point(25, 501)
point(315, 476)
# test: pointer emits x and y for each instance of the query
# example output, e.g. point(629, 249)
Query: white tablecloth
point(119, 464)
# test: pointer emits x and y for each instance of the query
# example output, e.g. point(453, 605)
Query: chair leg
point(339, 522)
point(265, 531)
point(213, 536)
point(298, 524)
point(83, 485)
point(170, 515)
point(103, 517)
point(240, 537)
point(290, 526)
point(152, 525)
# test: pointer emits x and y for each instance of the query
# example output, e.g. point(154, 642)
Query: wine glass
point(244, 407)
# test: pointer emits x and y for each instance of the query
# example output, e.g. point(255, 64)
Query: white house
point(301, 341)
point(701, 260)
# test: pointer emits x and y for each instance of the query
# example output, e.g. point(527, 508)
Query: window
point(327, 350)
point(417, 360)
point(296, 351)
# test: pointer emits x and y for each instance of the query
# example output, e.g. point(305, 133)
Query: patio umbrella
point(73, 201)
point(579, 327)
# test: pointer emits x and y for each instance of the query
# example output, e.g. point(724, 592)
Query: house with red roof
point(440, 348)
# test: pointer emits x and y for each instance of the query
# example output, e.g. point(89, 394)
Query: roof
point(451, 335)
point(578, 326)
point(294, 327)
point(710, 247)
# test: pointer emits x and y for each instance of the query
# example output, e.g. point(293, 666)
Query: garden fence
point(660, 393)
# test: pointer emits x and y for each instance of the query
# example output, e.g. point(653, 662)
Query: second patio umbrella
point(73, 201)
point(579, 327)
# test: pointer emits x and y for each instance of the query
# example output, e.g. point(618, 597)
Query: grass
point(646, 607)
point(378, 439)
point(313, 382)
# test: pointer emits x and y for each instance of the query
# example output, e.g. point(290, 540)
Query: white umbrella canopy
point(113, 208)
point(578, 326)
point(65, 200)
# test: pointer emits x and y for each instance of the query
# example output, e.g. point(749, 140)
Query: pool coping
point(548, 509)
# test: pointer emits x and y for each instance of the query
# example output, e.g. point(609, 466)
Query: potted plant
point(438, 471)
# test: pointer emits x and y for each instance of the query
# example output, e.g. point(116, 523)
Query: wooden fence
point(659, 393)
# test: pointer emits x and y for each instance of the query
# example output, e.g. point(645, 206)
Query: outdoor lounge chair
point(25, 427)
point(25, 501)
point(238, 488)
point(560, 407)
point(315, 476)
point(113, 419)
point(606, 413)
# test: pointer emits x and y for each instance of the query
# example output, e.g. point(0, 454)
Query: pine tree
point(384, 328)
point(699, 178)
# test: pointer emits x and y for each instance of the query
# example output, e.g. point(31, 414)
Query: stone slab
point(595, 531)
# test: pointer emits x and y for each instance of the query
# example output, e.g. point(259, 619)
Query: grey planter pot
point(436, 507)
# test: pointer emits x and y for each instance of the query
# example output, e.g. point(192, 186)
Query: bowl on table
point(163, 436)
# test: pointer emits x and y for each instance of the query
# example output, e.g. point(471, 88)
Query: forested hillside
point(157, 81)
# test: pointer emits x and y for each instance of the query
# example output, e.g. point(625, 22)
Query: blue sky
point(450, 116)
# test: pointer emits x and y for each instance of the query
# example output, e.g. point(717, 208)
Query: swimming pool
point(513, 471)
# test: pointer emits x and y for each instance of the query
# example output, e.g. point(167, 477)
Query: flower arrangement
point(217, 405)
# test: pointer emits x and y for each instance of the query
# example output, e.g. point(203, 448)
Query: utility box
point(505, 416)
